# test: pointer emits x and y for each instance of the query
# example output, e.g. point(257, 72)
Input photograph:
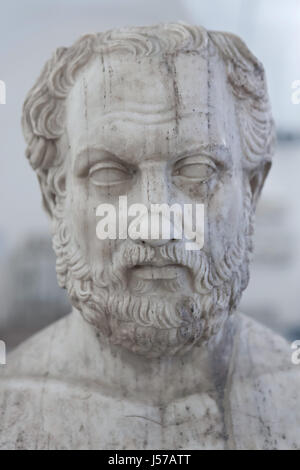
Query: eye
point(195, 170)
point(108, 173)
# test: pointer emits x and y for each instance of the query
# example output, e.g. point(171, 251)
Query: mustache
point(130, 254)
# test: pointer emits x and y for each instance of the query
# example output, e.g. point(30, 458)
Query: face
point(156, 130)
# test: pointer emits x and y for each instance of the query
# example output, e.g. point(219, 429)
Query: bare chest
point(65, 416)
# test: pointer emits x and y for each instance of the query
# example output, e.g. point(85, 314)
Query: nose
point(152, 234)
point(155, 227)
point(153, 242)
point(154, 183)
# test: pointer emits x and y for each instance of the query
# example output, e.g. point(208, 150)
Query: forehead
point(150, 105)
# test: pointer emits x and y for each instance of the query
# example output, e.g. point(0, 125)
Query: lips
point(156, 272)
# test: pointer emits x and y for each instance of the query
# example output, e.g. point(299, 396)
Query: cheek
point(81, 204)
point(224, 214)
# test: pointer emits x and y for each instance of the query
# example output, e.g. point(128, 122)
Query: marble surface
point(154, 354)
point(96, 397)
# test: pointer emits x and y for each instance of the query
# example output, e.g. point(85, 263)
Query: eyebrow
point(87, 157)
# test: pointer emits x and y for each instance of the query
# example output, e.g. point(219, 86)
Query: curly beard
point(155, 324)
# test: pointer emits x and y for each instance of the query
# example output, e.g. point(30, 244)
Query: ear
point(50, 192)
point(256, 179)
point(48, 197)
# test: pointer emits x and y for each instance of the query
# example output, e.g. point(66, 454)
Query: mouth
point(151, 272)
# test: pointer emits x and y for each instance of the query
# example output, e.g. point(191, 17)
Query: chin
point(173, 329)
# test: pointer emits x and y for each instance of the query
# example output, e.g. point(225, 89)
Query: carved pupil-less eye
point(196, 171)
point(108, 173)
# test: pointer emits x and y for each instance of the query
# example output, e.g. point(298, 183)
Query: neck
point(125, 374)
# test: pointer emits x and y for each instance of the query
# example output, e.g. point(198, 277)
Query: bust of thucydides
point(154, 354)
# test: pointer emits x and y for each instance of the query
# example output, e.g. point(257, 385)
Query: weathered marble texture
point(154, 354)
point(50, 400)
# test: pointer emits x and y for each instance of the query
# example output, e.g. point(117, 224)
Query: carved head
point(163, 114)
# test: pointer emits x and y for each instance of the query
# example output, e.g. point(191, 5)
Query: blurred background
point(30, 30)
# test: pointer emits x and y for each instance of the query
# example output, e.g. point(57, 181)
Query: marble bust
point(155, 354)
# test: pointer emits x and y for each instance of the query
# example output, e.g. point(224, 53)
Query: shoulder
point(261, 348)
point(263, 397)
point(44, 401)
point(42, 353)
